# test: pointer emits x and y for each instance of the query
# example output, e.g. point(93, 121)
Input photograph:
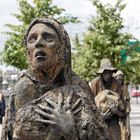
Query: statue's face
point(43, 45)
point(107, 75)
point(120, 78)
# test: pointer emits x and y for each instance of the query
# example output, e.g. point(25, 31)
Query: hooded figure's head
point(106, 70)
point(48, 47)
point(119, 75)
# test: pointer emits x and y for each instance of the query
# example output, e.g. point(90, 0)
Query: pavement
point(0, 130)
point(134, 119)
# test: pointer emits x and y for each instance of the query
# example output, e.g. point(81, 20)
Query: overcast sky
point(81, 8)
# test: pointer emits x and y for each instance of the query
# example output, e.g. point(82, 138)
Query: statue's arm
point(115, 109)
point(93, 126)
point(94, 86)
point(17, 99)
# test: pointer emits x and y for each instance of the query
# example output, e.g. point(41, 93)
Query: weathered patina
point(107, 92)
point(124, 122)
point(49, 101)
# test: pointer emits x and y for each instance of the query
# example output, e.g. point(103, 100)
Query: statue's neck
point(51, 76)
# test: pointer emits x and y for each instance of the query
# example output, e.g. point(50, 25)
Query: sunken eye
point(32, 38)
point(48, 37)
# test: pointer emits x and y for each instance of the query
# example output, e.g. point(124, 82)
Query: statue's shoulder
point(24, 83)
point(76, 80)
point(25, 90)
point(96, 80)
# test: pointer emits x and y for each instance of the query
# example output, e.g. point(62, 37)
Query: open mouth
point(40, 55)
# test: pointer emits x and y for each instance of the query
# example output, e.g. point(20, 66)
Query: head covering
point(65, 46)
point(119, 72)
point(61, 32)
point(106, 65)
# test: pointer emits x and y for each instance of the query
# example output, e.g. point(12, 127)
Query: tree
point(104, 38)
point(14, 52)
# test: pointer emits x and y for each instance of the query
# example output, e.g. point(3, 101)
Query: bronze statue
point(49, 101)
point(124, 122)
point(107, 93)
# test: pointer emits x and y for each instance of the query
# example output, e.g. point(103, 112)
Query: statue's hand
point(112, 109)
point(113, 106)
point(61, 118)
point(115, 109)
point(106, 115)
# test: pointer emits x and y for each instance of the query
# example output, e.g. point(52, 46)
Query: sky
point(80, 8)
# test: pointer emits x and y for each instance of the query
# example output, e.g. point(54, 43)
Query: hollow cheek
point(51, 51)
point(30, 53)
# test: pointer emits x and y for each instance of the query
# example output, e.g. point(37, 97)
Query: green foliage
point(104, 39)
point(14, 52)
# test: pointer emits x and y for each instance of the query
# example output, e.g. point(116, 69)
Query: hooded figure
point(124, 122)
point(107, 92)
point(49, 101)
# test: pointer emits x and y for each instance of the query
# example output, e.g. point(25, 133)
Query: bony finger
point(60, 100)
point(77, 111)
point(45, 121)
point(69, 98)
point(76, 104)
point(107, 111)
point(40, 112)
point(44, 114)
point(107, 114)
point(46, 109)
point(41, 106)
point(108, 105)
point(52, 103)
point(110, 100)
